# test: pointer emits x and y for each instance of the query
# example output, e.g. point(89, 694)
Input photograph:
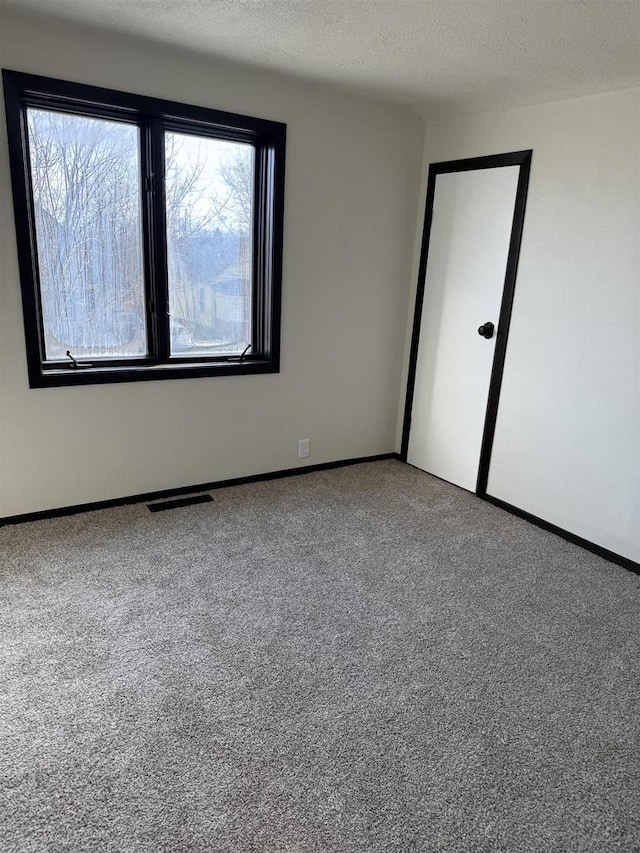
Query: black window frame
point(153, 116)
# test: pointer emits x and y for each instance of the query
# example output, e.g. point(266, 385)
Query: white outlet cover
point(303, 448)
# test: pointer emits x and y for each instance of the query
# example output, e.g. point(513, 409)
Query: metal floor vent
point(173, 503)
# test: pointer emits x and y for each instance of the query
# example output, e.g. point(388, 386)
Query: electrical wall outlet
point(304, 448)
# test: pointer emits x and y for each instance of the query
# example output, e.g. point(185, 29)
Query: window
point(149, 234)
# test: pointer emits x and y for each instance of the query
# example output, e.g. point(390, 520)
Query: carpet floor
point(363, 660)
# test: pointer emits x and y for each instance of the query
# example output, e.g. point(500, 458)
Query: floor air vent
point(174, 503)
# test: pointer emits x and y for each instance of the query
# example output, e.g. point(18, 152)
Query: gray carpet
point(365, 660)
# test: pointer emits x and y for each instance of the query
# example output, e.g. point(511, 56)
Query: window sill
point(55, 378)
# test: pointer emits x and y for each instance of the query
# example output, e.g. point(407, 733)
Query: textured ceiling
point(436, 54)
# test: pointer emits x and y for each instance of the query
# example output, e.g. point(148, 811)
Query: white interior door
point(468, 248)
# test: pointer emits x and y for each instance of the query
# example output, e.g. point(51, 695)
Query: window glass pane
point(209, 196)
point(85, 175)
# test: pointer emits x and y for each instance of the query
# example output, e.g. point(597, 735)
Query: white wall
point(567, 441)
point(352, 194)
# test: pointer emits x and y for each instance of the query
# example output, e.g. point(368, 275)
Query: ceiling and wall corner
point(435, 55)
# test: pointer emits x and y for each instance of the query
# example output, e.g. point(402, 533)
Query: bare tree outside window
point(85, 176)
point(86, 188)
point(209, 202)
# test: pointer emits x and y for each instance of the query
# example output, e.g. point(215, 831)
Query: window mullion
point(158, 236)
point(146, 188)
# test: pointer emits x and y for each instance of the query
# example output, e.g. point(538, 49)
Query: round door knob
point(486, 330)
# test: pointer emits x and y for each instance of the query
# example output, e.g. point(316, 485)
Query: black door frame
point(495, 161)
